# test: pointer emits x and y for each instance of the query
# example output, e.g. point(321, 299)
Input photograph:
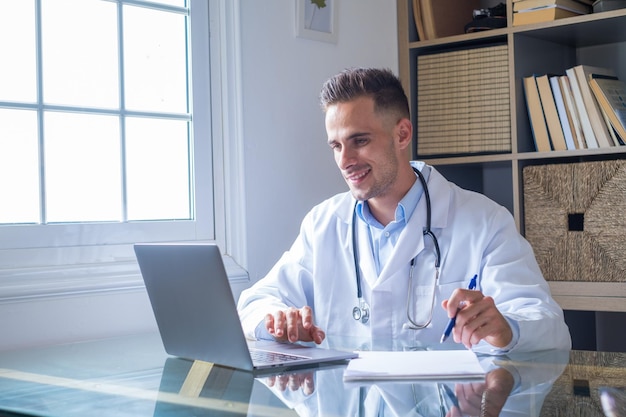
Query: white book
point(583, 116)
point(600, 129)
point(572, 112)
point(560, 107)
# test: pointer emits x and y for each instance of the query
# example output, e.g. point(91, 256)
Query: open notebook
point(197, 316)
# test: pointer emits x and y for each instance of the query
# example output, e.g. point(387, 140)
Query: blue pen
point(445, 392)
point(452, 321)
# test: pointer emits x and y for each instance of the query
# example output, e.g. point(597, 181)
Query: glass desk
point(133, 376)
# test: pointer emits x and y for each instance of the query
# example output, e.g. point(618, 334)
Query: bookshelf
point(544, 48)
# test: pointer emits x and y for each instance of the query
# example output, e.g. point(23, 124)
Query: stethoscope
point(362, 310)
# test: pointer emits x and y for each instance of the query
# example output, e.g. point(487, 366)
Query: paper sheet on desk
point(412, 365)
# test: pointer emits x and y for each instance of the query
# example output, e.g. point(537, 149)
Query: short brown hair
point(379, 84)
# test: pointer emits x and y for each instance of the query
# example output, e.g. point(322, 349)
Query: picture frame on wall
point(317, 20)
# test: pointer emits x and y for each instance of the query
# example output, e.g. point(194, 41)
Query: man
point(363, 265)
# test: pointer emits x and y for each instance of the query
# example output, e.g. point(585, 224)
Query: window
point(105, 128)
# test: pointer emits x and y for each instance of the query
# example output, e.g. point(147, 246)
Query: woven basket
point(575, 220)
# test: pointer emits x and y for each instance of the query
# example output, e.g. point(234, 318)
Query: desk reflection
point(514, 386)
point(132, 376)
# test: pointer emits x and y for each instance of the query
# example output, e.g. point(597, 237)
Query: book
point(571, 5)
point(535, 113)
point(613, 135)
point(562, 112)
point(545, 14)
point(419, 23)
point(611, 95)
point(581, 111)
point(427, 19)
point(572, 112)
point(600, 129)
point(550, 113)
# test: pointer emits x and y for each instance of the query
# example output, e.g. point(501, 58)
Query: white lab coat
point(476, 236)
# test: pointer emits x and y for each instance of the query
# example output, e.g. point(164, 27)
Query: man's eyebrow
point(356, 135)
point(353, 136)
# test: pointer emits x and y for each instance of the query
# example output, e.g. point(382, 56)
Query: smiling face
point(370, 149)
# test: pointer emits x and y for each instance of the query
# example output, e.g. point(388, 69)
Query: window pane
point(155, 67)
point(80, 59)
point(17, 47)
point(82, 167)
point(178, 3)
point(19, 167)
point(157, 157)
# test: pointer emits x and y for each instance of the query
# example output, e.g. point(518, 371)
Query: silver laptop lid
point(193, 303)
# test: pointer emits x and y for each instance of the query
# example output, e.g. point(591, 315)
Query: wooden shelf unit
point(546, 48)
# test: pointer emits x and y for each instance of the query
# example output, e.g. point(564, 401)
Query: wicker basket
point(575, 220)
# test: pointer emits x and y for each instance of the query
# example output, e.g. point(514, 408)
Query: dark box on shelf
point(575, 220)
point(606, 5)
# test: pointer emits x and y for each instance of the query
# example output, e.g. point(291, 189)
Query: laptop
point(197, 316)
point(195, 388)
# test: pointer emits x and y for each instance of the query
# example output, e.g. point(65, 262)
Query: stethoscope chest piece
point(361, 312)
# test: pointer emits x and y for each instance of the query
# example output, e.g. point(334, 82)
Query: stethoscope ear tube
point(360, 312)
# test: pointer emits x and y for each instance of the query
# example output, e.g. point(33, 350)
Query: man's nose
point(346, 158)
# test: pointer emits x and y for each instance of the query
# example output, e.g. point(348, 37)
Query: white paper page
point(429, 364)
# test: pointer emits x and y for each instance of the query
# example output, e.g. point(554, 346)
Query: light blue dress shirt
point(383, 239)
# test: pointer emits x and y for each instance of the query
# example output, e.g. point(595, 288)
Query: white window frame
point(38, 261)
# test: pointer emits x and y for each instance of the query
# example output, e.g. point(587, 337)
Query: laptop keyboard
point(268, 357)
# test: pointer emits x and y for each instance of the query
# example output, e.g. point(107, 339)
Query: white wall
point(288, 166)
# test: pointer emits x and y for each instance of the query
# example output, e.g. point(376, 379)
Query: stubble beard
point(387, 176)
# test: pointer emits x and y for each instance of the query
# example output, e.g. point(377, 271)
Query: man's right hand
point(293, 382)
point(294, 325)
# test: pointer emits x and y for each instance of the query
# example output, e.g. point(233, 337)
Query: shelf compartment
point(492, 179)
point(581, 31)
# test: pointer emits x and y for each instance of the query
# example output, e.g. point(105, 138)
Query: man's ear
point(404, 130)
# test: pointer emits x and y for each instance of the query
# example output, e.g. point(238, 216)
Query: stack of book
point(536, 11)
point(584, 108)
